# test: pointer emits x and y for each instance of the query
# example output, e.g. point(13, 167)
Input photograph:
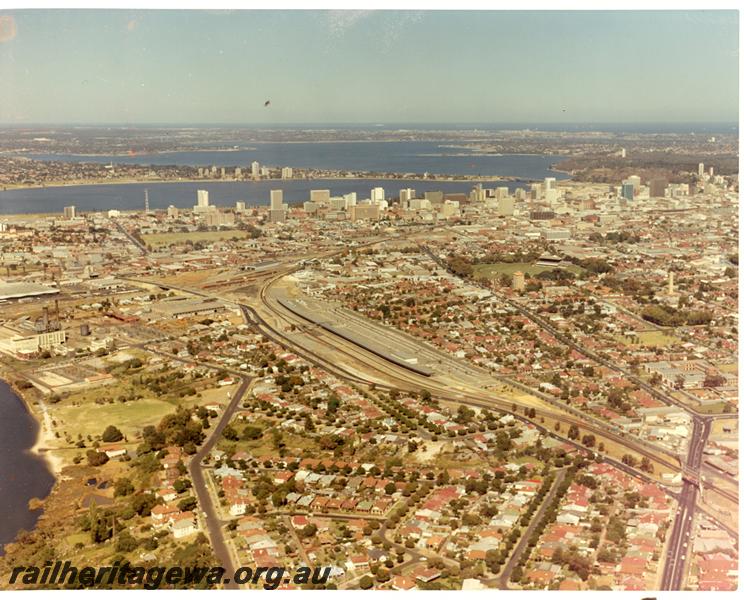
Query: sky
point(181, 67)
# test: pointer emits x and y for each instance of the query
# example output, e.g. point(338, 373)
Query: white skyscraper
point(351, 199)
point(377, 195)
point(202, 201)
point(701, 169)
point(277, 200)
point(69, 212)
point(255, 169)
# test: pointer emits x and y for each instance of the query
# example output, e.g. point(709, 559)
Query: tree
point(252, 432)
point(123, 487)
point(181, 485)
point(573, 432)
point(95, 458)
point(125, 542)
point(366, 582)
point(390, 488)
point(143, 504)
point(229, 433)
point(112, 434)
point(629, 460)
point(187, 503)
point(308, 530)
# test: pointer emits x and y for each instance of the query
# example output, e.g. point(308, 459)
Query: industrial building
point(11, 291)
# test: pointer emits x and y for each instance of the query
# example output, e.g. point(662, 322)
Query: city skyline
point(368, 66)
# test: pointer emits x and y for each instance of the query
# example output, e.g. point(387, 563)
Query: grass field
point(166, 239)
point(655, 338)
point(712, 409)
point(129, 417)
point(493, 270)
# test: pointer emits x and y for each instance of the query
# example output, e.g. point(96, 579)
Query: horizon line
point(337, 123)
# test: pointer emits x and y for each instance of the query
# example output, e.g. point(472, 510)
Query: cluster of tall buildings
point(256, 171)
point(212, 216)
point(346, 206)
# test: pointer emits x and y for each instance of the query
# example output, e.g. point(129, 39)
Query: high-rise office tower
point(69, 212)
point(277, 210)
point(277, 200)
point(320, 197)
point(627, 190)
point(701, 169)
point(406, 195)
point(255, 169)
point(377, 195)
point(657, 188)
point(202, 201)
point(351, 199)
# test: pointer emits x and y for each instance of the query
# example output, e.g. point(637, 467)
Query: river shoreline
point(42, 447)
point(91, 182)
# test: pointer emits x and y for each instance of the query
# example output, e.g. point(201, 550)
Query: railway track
point(417, 382)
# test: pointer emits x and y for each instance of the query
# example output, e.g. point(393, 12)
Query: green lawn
point(129, 417)
point(650, 338)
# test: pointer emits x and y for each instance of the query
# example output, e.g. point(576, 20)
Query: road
point(677, 549)
point(503, 578)
point(140, 246)
point(214, 525)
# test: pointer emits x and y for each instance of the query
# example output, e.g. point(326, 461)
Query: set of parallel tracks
point(409, 382)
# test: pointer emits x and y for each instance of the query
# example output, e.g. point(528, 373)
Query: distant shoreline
point(443, 178)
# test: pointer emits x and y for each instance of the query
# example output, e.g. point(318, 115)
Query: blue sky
point(367, 66)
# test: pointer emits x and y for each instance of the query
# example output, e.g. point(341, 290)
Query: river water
point(130, 196)
point(23, 474)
